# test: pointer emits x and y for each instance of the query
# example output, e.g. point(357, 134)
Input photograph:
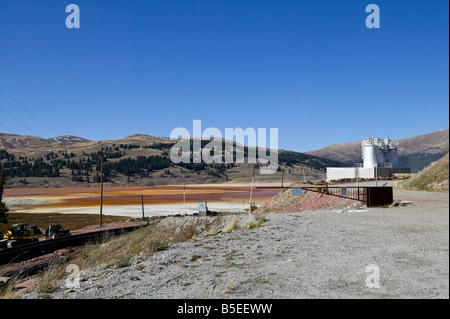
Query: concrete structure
point(377, 152)
point(358, 172)
point(380, 158)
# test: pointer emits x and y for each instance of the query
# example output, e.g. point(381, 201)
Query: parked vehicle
point(56, 231)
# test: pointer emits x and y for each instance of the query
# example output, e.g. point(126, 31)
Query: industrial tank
point(377, 152)
point(369, 151)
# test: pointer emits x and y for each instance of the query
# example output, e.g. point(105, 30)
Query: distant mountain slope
point(12, 141)
point(139, 159)
point(349, 153)
point(139, 139)
point(434, 177)
point(415, 152)
point(67, 140)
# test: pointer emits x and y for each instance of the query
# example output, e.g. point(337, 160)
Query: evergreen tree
point(3, 208)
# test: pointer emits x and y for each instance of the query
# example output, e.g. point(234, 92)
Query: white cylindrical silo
point(370, 153)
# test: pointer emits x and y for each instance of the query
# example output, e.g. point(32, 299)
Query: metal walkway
point(370, 195)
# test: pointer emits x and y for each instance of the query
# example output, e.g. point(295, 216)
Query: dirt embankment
point(285, 202)
point(434, 178)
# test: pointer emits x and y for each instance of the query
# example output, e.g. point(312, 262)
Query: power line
point(9, 128)
point(26, 110)
point(39, 151)
point(26, 126)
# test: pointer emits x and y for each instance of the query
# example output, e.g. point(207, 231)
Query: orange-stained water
point(131, 195)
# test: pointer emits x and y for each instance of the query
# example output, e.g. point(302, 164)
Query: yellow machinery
point(18, 234)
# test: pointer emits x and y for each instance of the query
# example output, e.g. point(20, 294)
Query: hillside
point(12, 141)
point(415, 152)
point(435, 177)
point(134, 160)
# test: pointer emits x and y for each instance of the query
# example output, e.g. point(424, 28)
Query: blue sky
point(311, 68)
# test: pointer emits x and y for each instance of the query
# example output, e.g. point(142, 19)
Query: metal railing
point(371, 196)
point(358, 193)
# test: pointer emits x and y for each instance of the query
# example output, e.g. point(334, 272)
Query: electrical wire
point(10, 129)
point(23, 124)
point(26, 110)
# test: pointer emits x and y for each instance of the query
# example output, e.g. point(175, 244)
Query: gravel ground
point(310, 254)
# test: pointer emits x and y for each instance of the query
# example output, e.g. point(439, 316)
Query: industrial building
point(379, 159)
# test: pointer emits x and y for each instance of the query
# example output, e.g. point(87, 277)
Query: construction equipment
point(55, 231)
point(18, 234)
point(253, 207)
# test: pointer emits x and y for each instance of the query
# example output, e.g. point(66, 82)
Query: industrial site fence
point(371, 195)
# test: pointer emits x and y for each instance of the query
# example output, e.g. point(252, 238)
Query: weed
point(233, 225)
point(257, 221)
point(195, 258)
point(228, 287)
point(48, 281)
point(7, 289)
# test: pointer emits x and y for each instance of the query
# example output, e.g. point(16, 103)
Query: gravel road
point(310, 254)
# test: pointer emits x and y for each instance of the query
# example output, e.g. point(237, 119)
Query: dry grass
point(118, 251)
point(256, 221)
point(232, 225)
point(434, 177)
point(228, 287)
point(47, 282)
point(7, 289)
point(51, 276)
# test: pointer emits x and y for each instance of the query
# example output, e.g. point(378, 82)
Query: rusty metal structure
point(370, 195)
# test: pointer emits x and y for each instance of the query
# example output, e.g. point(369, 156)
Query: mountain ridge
point(73, 160)
point(416, 152)
point(138, 159)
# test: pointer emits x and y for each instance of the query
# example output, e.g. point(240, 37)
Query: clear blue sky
point(310, 68)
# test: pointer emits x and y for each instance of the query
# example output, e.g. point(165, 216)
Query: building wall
point(349, 172)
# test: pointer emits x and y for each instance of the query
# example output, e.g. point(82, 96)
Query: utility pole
point(376, 175)
point(142, 202)
point(282, 177)
point(101, 190)
point(376, 171)
point(251, 191)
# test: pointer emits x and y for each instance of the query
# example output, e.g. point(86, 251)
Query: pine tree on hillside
point(3, 208)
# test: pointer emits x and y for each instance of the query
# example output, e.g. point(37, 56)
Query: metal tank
point(369, 151)
point(377, 152)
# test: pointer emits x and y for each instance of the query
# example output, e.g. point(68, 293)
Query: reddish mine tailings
point(285, 202)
